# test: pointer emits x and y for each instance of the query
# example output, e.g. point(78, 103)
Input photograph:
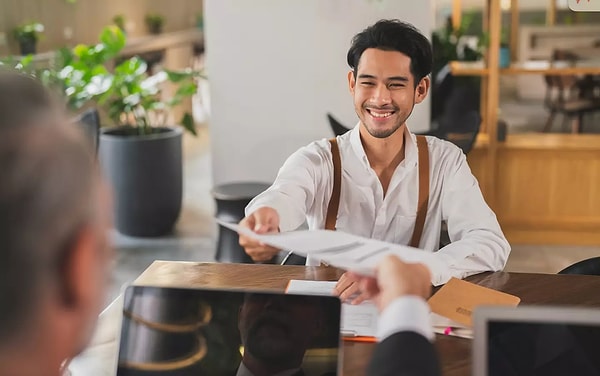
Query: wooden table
point(455, 353)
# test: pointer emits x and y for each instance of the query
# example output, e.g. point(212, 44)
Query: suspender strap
point(423, 191)
point(334, 201)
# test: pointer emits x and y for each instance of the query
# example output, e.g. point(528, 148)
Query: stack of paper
point(359, 320)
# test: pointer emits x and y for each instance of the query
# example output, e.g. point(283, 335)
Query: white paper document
point(356, 320)
point(336, 248)
point(443, 325)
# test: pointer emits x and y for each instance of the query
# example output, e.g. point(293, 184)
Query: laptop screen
point(170, 331)
point(540, 341)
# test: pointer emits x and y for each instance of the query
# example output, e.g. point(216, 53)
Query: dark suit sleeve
point(404, 354)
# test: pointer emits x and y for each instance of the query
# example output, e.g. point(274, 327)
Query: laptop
point(536, 340)
point(180, 332)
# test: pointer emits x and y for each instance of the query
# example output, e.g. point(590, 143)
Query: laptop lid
point(180, 332)
point(536, 340)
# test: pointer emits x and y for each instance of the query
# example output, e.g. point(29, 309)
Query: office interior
point(275, 69)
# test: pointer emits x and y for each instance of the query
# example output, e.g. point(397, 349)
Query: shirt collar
point(410, 147)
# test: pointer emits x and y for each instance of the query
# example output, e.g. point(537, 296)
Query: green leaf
point(186, 89)
point(188, 123)
point(113, 39)
point(178, 76)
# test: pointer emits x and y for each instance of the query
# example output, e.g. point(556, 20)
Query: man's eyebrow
point(398, 78)
point(393, 78)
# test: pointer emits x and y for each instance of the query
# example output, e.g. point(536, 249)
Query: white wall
point(276, 67)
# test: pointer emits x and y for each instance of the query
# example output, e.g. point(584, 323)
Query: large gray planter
point(146, 175)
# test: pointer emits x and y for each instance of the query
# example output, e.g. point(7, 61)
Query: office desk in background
point(455, 352)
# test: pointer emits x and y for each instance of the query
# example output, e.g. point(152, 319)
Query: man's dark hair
point(394, 35)
point(47, 181)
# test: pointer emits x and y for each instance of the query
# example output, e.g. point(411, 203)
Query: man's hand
point(394, 279)
point(348, 287)
point(261, 221)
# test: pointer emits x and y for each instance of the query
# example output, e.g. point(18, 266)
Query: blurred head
point(390, 62)
point(277, 329)
point(53, 222)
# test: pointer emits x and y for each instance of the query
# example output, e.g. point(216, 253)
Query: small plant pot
point(504, 57)
point(27, 46)
point(155, 29)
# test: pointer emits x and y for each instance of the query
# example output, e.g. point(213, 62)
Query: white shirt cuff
point(406, 313)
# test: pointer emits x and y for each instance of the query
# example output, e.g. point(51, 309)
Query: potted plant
point(119, 21)
point(154, 23)
point(450, 44)
point(141, 155)
point(28, 34)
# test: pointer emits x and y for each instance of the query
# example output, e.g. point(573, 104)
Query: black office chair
point(337, 127)
point(89, 121)
point(589, 266)
point(460, 128)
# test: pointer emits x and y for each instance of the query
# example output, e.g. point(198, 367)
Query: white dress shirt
point(304, 184)
point(407, 313)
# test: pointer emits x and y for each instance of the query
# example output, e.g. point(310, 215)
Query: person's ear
point(422, 89)
point(351, 81)
point(81, 271)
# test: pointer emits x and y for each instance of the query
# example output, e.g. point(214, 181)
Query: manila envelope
point(457, 299)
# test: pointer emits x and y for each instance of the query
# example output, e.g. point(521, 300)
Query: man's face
point(384, 91)
point(276, 329)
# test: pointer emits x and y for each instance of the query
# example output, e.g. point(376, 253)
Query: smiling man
point(393, 186)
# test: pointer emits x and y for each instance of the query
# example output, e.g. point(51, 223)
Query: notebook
point(180, 332)
point(536, 340)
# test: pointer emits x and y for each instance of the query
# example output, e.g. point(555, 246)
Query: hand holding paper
point(336, 248)
point(262, 221)
point(395, 279)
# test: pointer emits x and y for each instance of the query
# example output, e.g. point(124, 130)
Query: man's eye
point(367, 83)
point(396, 86)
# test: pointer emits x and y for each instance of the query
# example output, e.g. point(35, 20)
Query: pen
point(449, 330)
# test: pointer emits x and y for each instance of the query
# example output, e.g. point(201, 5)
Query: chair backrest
point(559, 87)
point(589, 266)
point(460, 129)
point(89, 121)
point(441, 89)
point(337, 127)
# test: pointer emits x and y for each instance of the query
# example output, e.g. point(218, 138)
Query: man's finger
point(264, 222)
point(342, 284)
point(359, 299)
point(349, 291)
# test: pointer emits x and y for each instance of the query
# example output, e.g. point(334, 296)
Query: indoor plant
point(141, 155)
point(450, 44)
point(28, 34)
point(154, 23)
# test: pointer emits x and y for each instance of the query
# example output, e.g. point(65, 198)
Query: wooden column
point(514, 30)
point(551, 13)
point(493, 86)
point(456, 14)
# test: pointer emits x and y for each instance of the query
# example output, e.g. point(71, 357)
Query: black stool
point(231, 200)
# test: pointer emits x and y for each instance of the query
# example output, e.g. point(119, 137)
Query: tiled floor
point(194, 237)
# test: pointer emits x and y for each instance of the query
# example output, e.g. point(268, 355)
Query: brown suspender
point(334, 201)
